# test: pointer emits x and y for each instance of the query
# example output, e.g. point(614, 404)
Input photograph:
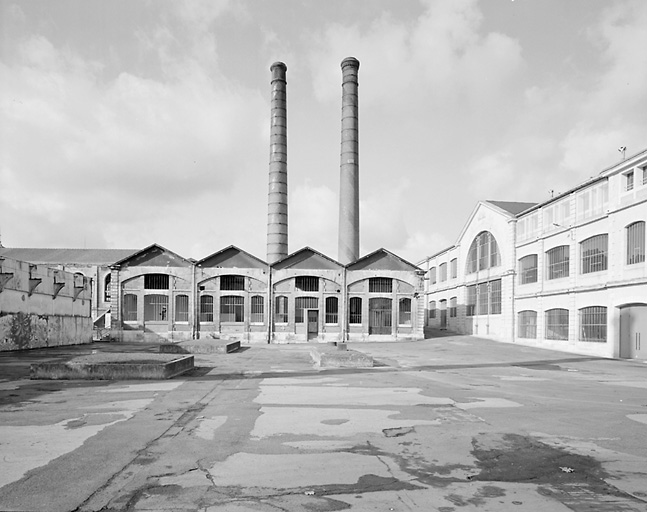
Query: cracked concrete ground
point(449, 424)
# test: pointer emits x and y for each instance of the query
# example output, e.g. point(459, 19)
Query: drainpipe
point(195, 301)
point(270, 305)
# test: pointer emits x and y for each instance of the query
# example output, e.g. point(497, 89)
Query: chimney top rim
point(279, 64)
point(350, 61)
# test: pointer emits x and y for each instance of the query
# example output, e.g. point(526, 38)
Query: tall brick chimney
point(348, 248)
point(277, 201)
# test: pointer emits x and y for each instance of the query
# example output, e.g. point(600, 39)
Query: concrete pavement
point(448, 424)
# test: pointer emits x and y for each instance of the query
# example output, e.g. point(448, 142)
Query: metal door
point(313, 323)
point(633, 332)
point(380, 316)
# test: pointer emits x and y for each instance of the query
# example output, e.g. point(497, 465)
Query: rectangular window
point(257, 313)
point(527, 324)
point(482, 299)
point(557, 262)
point(528, 269)
point(442, 270)
point(629, 180)
point(495, 297)
point(432, 309)
point(454, 268)
point(156, 282)
point(593, 324)
point(644, 180)
point(206, 308)
point(432, 275)
point(332, 307)
point(307, 283)
point(181, 308)
point(594, 254)
point(404, 308)
point(355, 305)
point(471, 301)
point(281, 310)
point(232, 283)
point(155, 308)
point(636, 243)
point(301, 303)
point(380, 285)
point(232, 308)
point(130, 307)
point(557, 324)
point(453, 308)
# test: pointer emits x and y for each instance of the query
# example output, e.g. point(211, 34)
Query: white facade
point(572, 269)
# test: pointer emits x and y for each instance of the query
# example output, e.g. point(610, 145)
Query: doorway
point(313, 324)
point(380, 316)
point(633, 331)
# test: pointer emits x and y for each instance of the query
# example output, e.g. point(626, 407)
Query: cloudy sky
point(125, 123)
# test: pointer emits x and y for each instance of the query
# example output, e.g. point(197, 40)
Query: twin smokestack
point(277, 204)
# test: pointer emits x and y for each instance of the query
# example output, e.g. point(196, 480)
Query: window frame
point(527, 324)
point(129, 315)
point(592, 331)
point(206, 313)
point(232, 305)
point(281, 310)
point(558, 269)
point(380, 285)
point(232, 283)
point(528, 274)
point(181, 315)
point(156, 308)
point(404, 311)
point(331, 311)
point(598, 259)
point(257, 309)
point(355, 310)
point(635, 242)
point(555, 329)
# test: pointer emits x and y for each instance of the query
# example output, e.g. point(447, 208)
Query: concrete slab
point(206, 346)
point(114, 366)
point(340, 357)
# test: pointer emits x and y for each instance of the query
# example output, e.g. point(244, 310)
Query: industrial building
point(566, 274)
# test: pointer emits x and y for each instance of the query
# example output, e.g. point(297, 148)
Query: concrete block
point(207, 346)
point(326, 358)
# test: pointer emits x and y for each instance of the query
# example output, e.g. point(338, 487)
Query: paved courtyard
point(448, 424)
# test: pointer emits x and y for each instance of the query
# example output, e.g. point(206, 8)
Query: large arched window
point(483, 253)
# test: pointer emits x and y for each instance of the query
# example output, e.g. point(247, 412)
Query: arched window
point(593, 324)
point(404, 308)
point(636, 242)
point(257, 309)
point(557, 324)
point(483, 253)
point(528, 269)
point(594, 253)
point(453, 307)
point(106, 288)
point(557, 262)
point(332, 305)
point(527, 324)
point(432, 309)
point(281, 310)
point(206, 308)
point(355, 316)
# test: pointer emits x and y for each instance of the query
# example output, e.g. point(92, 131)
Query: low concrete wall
point(43, 307)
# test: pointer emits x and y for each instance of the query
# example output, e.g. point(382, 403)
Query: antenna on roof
point(622, 150)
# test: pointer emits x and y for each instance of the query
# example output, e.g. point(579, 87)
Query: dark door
point(380, 316)
point(313, 323)
point(443, 319)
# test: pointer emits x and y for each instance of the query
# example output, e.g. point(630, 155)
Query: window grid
point(495, 297)
point(155, 308)
point(301, 303)
point(257, 309)
point(557, 262)
point(281, 310)
point(636, 243)
point(181, 308)
point(380, 285)
point(557, 324)
point(593, 324)
point(355, 314)
point(528, 269)
point(156, 282)
point(206, 308)
point(232, 308)
point(527, 324)
point(629, 180)
point(232, 283)
point(130, 307)
point(594, 254)
point(404, 309)
point(307, 283)
point(482, 299)
point(332, 310)
point(483, 253)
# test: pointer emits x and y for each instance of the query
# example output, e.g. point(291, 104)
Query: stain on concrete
point(398, 432)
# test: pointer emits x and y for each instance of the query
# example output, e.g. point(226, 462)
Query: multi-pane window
point(232, 283)
point(453, 308)
point(527, 324)
point(404, 308)
point(257, 309)
point(636, 243)
point(453, 265)
point(232, 308)
point(495, 297)
point(432, 309)
point(301, 303)
point(355, 310)
point(557, 262)
point(442, 272)
point(106, 288)
point(380, 285)
point(483, 253)
point(206, 308)
point(130, 307)
point(470, 303)
point(181, 308)
point(528, 269)
point(307, 283)
point(432, 275)
point(593, 324)
point(557, 324)
point(281, 309)
point(156, 282)
point(629, 180)
point(594, 252)
point(482, 299)
point(155, 308)
point(332, 310)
